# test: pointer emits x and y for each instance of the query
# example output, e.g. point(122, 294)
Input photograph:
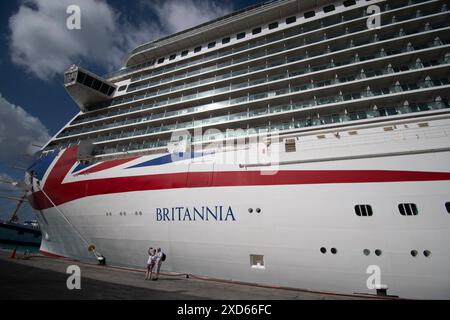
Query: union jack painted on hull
point(62, 192)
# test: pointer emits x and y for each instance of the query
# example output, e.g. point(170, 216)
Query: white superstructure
point(294, 143)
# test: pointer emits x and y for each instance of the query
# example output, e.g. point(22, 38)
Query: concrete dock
point(45, 278)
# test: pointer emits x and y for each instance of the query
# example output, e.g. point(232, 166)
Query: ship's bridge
point(87, 88)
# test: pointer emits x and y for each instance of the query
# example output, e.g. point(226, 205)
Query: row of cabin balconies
point(412, 91)
point(307, 123)
point(331, 20)
point(401, 45)
point(291, 40)
point(350, 75)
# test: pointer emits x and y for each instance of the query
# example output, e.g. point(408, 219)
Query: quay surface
point(43, 278)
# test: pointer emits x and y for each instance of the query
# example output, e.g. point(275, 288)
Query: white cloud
point(18, 132)
point(41, 43)
point(177, 15)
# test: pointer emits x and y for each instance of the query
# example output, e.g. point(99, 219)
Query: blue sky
point(36, 48)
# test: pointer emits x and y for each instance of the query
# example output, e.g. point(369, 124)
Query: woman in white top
point(150, 263)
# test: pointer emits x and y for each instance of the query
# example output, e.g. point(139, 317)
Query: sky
point(36, 47)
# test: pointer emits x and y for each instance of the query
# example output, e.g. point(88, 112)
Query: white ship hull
point(297, 218)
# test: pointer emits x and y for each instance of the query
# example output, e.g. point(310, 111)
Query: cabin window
point(291, 20)
point(211, 45)
point(349, 3)
point(329, 8)
point(240, 35)
point(447, 206)
point(257, 261)
point(97, 84)
point(172, 57)
point(256, 30)
point(408, 209)
point(309, 14)
point(161, 60)
point(363, 210)
point(121, 88)
point(184, 53)
point(198, 49)
point(226, 40)
point(273, 25)
point(88, 81)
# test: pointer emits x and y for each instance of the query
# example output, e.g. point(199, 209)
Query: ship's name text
point(204, 213)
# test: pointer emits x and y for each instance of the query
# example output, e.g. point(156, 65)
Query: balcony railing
point(304, 28)
point(219, 105)
point(149, 106)
point(278, 127)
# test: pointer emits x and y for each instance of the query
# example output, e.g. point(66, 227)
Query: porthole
point(447, 206)
point(427, 253)
point(366, 252)
point(140, 213)
point(258, 210)
point(333, 250)
point(250, 210)
point(414, 253)
point(378, 252)
point(323, 250)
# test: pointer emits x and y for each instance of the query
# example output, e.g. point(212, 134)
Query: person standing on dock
point(150, 263)
point(160, 257)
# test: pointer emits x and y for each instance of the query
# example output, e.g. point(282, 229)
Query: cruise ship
point(295, 143)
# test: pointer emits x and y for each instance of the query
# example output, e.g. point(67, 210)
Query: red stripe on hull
point(61, 193)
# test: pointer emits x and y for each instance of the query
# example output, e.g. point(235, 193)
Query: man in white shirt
point(159, 261)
